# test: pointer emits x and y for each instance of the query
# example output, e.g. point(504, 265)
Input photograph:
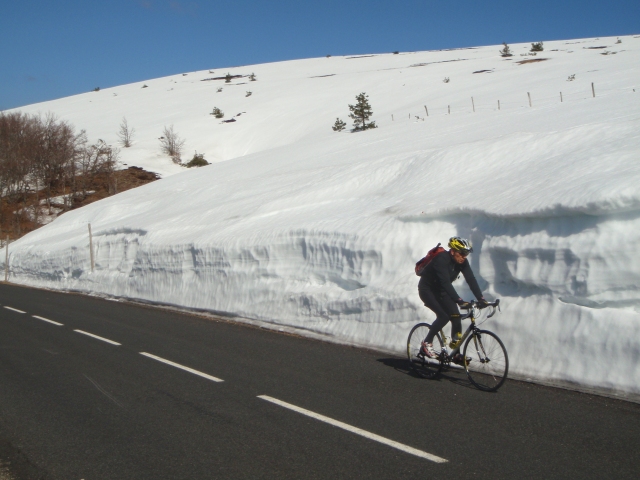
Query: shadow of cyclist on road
point(451, 374)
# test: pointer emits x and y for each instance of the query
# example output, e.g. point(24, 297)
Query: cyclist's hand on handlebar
point(482, 303)
point(464, 305)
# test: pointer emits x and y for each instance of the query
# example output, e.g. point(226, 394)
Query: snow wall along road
point(323, 237)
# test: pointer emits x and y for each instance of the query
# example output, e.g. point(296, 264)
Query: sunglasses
point(463, 254)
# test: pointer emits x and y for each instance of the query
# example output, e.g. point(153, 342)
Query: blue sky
point(53, 49)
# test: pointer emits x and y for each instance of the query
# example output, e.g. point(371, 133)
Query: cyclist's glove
point(464, 305)
point(482, 303)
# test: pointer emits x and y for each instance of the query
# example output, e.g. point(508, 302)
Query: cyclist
point(438, 294)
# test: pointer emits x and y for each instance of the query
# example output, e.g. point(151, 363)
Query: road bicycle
point(484, 356)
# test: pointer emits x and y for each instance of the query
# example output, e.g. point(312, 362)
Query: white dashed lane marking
point(308, 413)
point(97, 337)
point(47, 320)
point(182, 367)
point(14, 309)
point(356, 430)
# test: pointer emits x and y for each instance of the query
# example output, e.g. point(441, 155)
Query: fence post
point(593, 90)
point(560, 97)
point(426, 110)
point(6, 261)
point(392, 117)
point(498, 104)
point(529, 95)
point(473, 105)
point(91, 248)
point(449, 107)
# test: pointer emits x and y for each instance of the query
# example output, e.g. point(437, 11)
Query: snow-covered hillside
point(297, 225)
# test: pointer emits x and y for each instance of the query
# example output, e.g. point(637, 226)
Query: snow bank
point(319, 230)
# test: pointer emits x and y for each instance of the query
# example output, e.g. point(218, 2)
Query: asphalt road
point(74, 406)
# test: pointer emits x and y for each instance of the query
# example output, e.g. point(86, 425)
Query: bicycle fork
point(482, 357)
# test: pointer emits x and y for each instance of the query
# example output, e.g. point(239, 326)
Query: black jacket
point(443, 270)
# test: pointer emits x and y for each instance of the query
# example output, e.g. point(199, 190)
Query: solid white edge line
point(47, 320)
point(182, 367)
point(96, 336)
point(356, 430)
point(14, 309)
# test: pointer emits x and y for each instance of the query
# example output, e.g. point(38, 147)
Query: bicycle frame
point(445, 355)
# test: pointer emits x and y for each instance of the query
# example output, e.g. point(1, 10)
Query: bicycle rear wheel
point(489, 363)
point(424, 366)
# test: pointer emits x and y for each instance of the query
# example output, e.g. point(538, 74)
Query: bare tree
point(16, 131)
point(171, 144)
point(43, 157)
point(94, 160)
point(125, 135)
point(55, 148)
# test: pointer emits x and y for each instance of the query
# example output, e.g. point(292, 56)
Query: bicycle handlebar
point(475, 304)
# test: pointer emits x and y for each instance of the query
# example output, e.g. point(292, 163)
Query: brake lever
point(496, 306)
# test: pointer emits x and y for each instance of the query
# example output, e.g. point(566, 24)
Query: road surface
point(98, 389)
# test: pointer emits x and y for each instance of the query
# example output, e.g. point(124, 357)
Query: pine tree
point(197, 161)
point(339, 125)
point(360, 113)
point(537, 47)
point(506, 51)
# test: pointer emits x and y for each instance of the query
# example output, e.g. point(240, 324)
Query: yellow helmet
point(461, 245)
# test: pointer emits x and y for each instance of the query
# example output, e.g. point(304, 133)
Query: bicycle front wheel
point(486, 360)
point(424, 366)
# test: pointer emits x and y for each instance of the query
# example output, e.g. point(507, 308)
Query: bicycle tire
point(489, 363)
point(423, 366)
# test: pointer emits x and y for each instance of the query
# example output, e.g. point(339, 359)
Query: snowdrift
point(299, 226)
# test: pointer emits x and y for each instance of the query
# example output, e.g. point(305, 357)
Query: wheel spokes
point(489, 370)
point(423, 365)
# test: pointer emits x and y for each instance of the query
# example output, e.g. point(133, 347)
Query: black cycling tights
point(445, 309)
